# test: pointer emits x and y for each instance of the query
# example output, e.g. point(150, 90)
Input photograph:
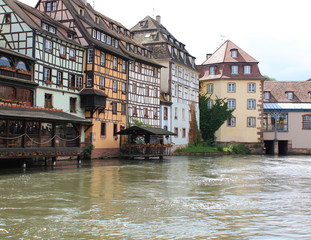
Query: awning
point(287, 107)
point(35, 114)
point(141, 130)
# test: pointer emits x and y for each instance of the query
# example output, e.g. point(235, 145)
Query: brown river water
point(223, 197)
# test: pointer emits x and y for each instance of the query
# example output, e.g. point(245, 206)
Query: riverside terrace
point(146, 142)
point(31, 132)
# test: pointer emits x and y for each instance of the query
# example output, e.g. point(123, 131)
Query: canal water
point(227, 197)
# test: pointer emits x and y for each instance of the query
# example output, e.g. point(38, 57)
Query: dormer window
point(266, 95)
point(135, 49)
point(81, 11)
point(212, 70)
point(96, 19)
point(234, 53)
point(70, 35)
point(290, 95)
point(247, 69)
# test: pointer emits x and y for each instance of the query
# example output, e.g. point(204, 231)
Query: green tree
point(212, 118)
point(269, 78)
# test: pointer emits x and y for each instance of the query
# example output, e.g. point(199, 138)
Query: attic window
point(143, 23)
point(51, 6)
point(290, 95)
point(7, 18)
point(266, 95)
point(70, 35)
point(234, 53)
point(81, 12)
point(119, 29)
point(96, 19)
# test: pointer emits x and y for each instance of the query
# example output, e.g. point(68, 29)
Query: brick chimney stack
point(208, 55)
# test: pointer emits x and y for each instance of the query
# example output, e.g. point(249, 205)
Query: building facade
point(59, 60)
point(232, 74)
point(287, 117)
point(179, 78)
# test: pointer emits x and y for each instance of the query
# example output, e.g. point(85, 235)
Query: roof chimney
point(208, 55)
point(158, 18)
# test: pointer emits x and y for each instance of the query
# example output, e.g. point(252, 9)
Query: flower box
point(23, 72)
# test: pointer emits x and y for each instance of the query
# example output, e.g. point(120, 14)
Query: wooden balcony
point(10, 72)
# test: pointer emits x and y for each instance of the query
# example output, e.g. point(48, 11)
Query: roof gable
point(224, 55)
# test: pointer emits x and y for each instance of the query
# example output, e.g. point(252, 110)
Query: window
point(73, 105)
point(21, 65)
point(123, 88)
point(108, 40)
point(234, 53)
point(115, 129)
point(251, 104)
point(212, 70)
point(306, 122)
point(123, 66)
point(251, 122)
point(102, 82)
point(115, 63)
point(72, 54)
point(176, 131)
point(176, 113)
point(54, 6)
point(48, 6)
point(114, 108)
point(281, 122)
point(103, 129)
point(89, 79)
point(138, 67)
point(183, 114)
point(231, 122)
point(134, 111)
point(94, 33)
point(146, 113)
point(210, 87)
point(48, 46)
point(234, 70)
point(210, 103)
point(147, 91)
point(48, 100)
point(59, 78)
point(134, 88)
point(183, 132)
point(173, 69)
point(5, 62)
point(62, 51)
point(231, 87)
point(102, 59)
point(266, 95)
point(247, 69)
point(7, 18)
point(90, 56)
point(123, 111)
point(155, 72)
point(165, 115)
point(114, 86)
point(47, 75)
point(290, 95)
point(103, 37)
point(251, 87)
point(79, 83)
point(72, 81)
point(231, 103)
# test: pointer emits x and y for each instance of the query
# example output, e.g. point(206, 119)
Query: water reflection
point(230, 197)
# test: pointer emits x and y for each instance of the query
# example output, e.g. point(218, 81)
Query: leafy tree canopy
point(212, 118)
point(269, 78)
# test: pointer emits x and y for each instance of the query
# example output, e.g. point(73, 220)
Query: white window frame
point(210, 103)
point(251, 87)
point(210, 88)
point(234, 69)
point(102, 82)
point(212, 70)
point(231, 103)
point(231, 122)
point(231, 87)
point(90, 56)
point(234, 53)
point(247, 69)
point(251, 104)
point(79, 82)
point(251, 121)
point(266, 95)
point(115, 86)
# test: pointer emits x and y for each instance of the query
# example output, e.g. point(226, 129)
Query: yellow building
point(233, 74)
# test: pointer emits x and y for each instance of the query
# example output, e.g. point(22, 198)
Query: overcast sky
point(274, 32)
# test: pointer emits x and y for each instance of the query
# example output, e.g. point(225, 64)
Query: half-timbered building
point(143, 91)
point(59, 60)
point(179, 78)
point(28, 132)
point(105, 71)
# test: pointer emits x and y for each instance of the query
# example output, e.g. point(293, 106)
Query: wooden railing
point(145, 150)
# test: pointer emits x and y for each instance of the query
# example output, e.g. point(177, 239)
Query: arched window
point(21, 65)
point(4, 62)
